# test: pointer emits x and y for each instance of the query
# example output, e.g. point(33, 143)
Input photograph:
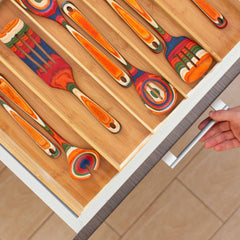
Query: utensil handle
point(8, 90)
point(215, 16)
point(74, 14)
point(149, 19)
point(99, 113)
point(46, 145)
point(146, 36)
point(118, 75)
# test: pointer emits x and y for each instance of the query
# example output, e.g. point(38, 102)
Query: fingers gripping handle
point(171, 160)
point(103, 117)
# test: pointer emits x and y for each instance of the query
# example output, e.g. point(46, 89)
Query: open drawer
point(135, 149)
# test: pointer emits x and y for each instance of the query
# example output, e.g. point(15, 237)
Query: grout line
point(225, 222)
point(191, 160)
point(110, 226)
point(214, 213)
point(160, 193)
point(40, 226)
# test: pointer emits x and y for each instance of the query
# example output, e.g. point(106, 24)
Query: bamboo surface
point(68, 117)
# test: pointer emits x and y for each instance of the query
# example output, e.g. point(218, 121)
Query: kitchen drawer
point(126, 157)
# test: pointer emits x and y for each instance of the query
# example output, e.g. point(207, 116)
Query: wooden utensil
point(156, 93)
point(49, 66)
point(215, 16)
point(188, 59)
point(50, 9)
point(143, 33)
point(45, 144)
point(80, 160)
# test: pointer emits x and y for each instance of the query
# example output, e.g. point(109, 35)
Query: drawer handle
point(171, 160)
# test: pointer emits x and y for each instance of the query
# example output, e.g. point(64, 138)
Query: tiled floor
point(198, 200)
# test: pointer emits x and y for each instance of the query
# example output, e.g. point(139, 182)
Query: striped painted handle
point(74, 13)
point(49, 148)
point(146, 36)
point(146, 16)
point(104, 118)
point(215, 16)
point(7, 89)
point(117, 73)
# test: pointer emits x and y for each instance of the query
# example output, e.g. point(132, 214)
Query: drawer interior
point(71, 119)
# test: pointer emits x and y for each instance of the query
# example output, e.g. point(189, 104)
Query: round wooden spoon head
point(80, 161)
point(44, 8)
point(158, 95)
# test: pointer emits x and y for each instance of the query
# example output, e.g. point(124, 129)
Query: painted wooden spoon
point(156, 93)
point(143, 33)
point(46, 145)
point(186, 57)
point(50, 67)
point(80, 160)
point(215, 16)
point(50, 9)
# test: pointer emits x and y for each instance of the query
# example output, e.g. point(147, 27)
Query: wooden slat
point(217, 41)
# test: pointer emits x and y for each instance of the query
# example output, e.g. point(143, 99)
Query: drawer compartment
point(72, 120)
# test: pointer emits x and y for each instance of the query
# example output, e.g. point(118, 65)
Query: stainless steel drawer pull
point(171, 160)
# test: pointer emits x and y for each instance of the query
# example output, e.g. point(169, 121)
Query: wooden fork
point(49, 66)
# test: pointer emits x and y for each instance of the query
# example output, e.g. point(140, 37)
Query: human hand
point(225, 134)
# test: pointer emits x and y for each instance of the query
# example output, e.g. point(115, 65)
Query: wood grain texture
point(50, 67)
point(199, 26)
point(54, 174)
point(64, 105)
point(173, 215)
point(156, 93)
point(80, 160)
point(215, 16)
point(51, 10)
point(145, 35)
point(42, 142)
point(188, 58)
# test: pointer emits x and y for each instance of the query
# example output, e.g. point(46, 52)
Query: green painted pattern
point(20, 33)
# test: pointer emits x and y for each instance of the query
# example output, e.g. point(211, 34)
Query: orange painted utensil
point(50, 9)
point(45, 144)
point(186, 57)
point(50, 67)
point(214, 15)
point(80, 160)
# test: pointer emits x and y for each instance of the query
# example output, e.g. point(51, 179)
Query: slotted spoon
point(187, 58)
point(49, 66)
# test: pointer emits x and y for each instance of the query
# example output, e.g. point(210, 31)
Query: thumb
point(223, 115)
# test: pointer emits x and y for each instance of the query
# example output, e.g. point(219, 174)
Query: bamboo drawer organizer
point(69, 118)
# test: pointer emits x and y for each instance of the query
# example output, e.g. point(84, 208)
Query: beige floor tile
point(230, 230)
point(152, 185)
point(214, 178)
point(53, 229)
point(231, 94)
point(2, 166)
point(175, 215)
point(21, 211)
point(104, 232)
